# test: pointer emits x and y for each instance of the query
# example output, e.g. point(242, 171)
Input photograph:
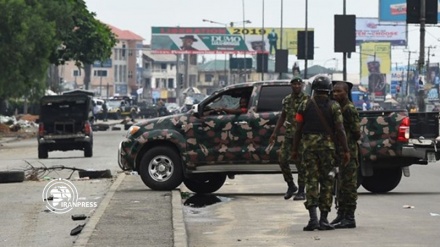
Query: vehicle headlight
point(132, 130)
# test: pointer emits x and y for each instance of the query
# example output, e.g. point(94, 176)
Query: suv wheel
point(161, 168)
point(205, 183)
point(42, 152)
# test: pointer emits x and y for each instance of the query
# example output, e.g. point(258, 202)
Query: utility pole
point(344, 54)
point(421, 92)
point(306, 42)
point(262, 40)
point(407, 73)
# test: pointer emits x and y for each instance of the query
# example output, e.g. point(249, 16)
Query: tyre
point(42, 152)
point(383, 180)
point(95, 173)
point(88, 150)
point(11, 176)
point(205, 183)
point(161, 168)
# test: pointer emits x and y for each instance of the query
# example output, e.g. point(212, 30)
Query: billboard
point(369, 30)
point(376, 67)
point(222, 40)
point(393, 10)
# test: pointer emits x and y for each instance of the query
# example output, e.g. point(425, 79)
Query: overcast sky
point(139, 15)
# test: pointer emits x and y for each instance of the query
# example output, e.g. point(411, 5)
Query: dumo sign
point(218, 40)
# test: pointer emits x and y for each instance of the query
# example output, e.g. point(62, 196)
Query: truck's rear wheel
point(206, 183)
point(42, 152)
point(88, 150)
point(161, 168)
point(383, 180)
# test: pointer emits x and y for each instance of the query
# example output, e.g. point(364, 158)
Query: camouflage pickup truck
point(202, 147)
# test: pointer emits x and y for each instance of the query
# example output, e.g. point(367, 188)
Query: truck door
point(223, 136)
point(267, 111)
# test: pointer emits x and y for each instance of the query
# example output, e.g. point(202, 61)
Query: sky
point(139, 16)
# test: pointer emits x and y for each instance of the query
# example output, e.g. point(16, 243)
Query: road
point(24, 218)
point(251, 211)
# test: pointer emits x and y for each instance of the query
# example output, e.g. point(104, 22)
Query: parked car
point(65, 123)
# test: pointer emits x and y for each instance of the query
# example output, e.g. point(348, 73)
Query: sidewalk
point(131, 214)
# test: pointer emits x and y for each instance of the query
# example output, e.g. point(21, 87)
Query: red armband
point(299, 118)
point(243, 110)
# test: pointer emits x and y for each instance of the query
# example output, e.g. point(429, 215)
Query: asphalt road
point(25, 220)
point(251, 211)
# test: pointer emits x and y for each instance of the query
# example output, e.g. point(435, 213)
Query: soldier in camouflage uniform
point(318, 118)
point(290, 106)
point(347, 195)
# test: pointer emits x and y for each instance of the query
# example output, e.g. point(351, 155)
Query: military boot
point(290, 190)
point(347, 222)
point(313, 222)
point(338, 218)
point(300, 196)
point(323, 222)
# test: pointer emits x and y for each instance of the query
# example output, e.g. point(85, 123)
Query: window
point(271, 97)
point(230, 99)
point(100, 73)
point(147, 65)
point(130, 74)
point(163, 66)
point(116, 72)
point(170, 83)
point(157, 82)
point(77, 73)
point(208, 77)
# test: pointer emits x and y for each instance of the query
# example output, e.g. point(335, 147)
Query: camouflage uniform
point(290, 107)
point(348, 173)
point(318, 159)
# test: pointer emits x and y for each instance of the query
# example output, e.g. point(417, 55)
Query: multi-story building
point(117, 75)
point(159, 73)
point(164, 76)
point(215, 74)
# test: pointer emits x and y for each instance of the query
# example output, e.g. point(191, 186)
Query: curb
point(90, 226)
point(179, 229)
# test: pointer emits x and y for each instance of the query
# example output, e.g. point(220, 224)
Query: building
point(216, 74)
point(116, 76)
point(159, 73)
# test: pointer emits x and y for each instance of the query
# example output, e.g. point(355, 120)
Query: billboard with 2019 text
point(222, 40)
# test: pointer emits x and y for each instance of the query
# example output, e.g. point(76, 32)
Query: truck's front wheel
point(383, 180)
point(206, 183)
point(161, 168)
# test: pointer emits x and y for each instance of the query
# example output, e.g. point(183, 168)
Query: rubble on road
point(21, 126)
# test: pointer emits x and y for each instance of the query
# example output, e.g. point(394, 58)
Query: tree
point(89, 41)
point(26, 41)
point(37, 33)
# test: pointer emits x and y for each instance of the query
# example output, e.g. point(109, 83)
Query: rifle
point(334, 173)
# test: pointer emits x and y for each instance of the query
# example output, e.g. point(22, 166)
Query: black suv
point(65, 123)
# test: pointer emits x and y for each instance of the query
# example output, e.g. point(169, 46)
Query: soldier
point(347, 195)
point(317, 120)
point(290, 107)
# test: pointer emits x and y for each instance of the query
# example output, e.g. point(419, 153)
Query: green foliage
point(37, 33)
